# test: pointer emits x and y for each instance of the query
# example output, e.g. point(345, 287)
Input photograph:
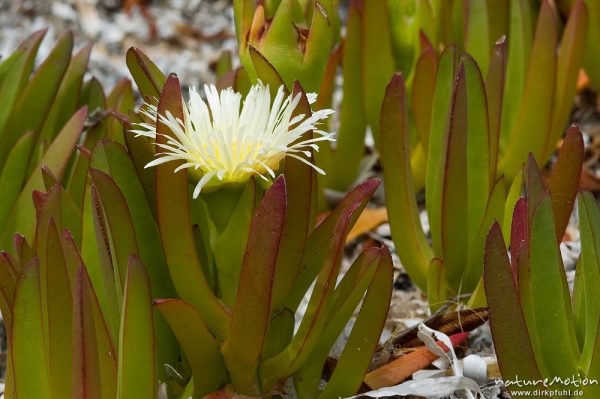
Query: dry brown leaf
point(367, 221)
point(589, 181)
point(583, 81)
point(403, 367)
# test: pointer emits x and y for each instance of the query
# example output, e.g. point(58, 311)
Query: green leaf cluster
point(539, 331)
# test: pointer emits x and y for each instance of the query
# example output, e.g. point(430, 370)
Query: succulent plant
point(294, 36)
point(530, 84)
point(465, 192)
point(256, 263)
point(132, 284)
point(538, 331)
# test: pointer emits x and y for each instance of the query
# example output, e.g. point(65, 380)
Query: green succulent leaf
point(589, 273)
point(56, 303)
point(16, 73)
point(564, 181)
point(266, 71)
point(346, 297)
point(423, 88)
point(318, 246)
point(94, 351)
point(27, 339)
point(399, 189)
point(297, 352)
point(251, 311)
point(476, 35)
point(351, 132)
point(494, 87)
point(14, 174)
point(552, 321)
point(172, 200)
point(570, 58)
point(67, 97)
point(364, 338)
point(538, 96)
point(300, 182)
point(198, 344)
point(33, 105)
point(22, 215)
point(137, 353)
point(376, 45)
point(520, 38)
point(511, 337)
point(148, 77)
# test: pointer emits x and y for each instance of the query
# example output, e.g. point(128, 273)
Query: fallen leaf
point(583, 81)
point(403, 367)
point(589, 181)
point(367, 221)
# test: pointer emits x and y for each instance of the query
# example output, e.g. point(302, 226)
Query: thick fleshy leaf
point(56, 303)
point(14, 173)
point(535, 109)
point(442, 100)
point(28, 351)
point(519, 237)
point(117, 218)
point(320, 40)
point(480, 181)
point(137, 352)
point(570, 57)
point(172, 200)
point(437, 289)
point(318, 246)
point(94, 355)
point(423, 88)
point(113, 159)
point(552, 320)
point(149, 79)
point(512, 196)
point(376, 45)
point(297, 352)
point(22, 216)
point(476, 34)
point(238, 216)
point(199, 346)
point(520, 38)
point(34, 103)
point(564, 181)
point(67, 96)
point(76, 182)
point(363, 340)
point(592, 57)
point(351, 132)
point(8, 284)
point(494, 87)
point(404, 28)
point(453, 172)
point(494, 211)
point(589, 272)
point(300, 182)
point(121, 100)
point(265, 71)
point(593, 373)
point(142, 152)
point(17, 75)
point(95, 250)
point(510, 334)
point(251, 312)
point(414, 249)
point(535, 190)
point(346, 297)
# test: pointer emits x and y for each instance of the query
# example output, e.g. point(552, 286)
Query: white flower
point(225, 141)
